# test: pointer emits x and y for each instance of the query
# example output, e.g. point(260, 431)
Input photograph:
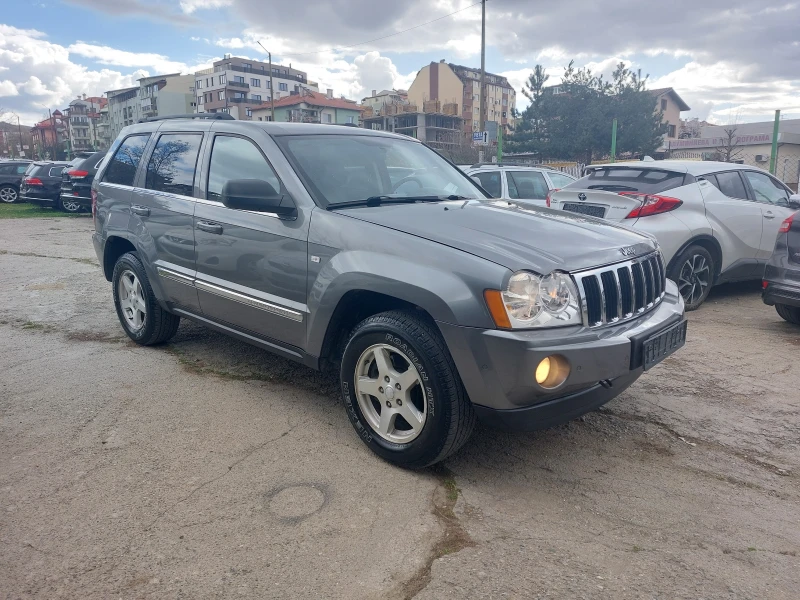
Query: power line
point(385, 36)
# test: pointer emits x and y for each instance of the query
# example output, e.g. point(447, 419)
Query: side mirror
point(794, 201)
point(256, 195)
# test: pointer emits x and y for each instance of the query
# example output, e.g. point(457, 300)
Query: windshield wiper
point(381, 200)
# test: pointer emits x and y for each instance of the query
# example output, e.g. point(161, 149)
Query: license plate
point(660, 346)
point(585, 209)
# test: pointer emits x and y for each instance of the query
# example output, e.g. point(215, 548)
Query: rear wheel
point(69, 206)
point(8, 194)
point(789, 313)
point(402, 392)
point(693, 271)
point(139, 312)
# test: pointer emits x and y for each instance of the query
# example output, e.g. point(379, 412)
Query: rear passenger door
point(773, 199)
point(162, 209)
point(115, 187)
point(251, 266)
point(735, 220)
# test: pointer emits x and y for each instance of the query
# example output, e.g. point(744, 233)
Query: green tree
point(576, 123)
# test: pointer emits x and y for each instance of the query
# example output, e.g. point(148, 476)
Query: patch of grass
point(451, 488)
point(34, 326)
point(22, 210)
point(637, 548)
point(752, 549)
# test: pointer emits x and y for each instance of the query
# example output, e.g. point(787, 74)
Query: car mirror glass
point(794, 201)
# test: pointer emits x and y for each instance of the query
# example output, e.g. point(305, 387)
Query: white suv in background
point(715, 222)
point(524, 185)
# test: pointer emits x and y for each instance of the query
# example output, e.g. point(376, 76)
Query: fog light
point(552, 371)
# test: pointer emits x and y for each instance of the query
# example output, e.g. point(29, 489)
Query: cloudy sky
point(729, 59)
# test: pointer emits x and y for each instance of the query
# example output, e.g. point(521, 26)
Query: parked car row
point(62, 185)
point(714, 222)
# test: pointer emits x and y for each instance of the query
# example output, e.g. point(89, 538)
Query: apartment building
point(159, 95)
point(671, 105)
point(238, 86)
point(378, 100)
point(49, 136)
point(82, 117)
point(458, 84)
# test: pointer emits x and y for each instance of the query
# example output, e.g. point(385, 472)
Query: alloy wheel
point(8, 194)
point(131, 300)
point(70, 206)
point(694, 279)
point(390, 394)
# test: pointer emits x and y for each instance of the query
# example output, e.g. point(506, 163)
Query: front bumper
point(498, 367)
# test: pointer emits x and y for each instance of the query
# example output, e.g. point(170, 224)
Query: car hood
point(537, 239)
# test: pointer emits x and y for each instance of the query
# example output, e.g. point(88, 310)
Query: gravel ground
point(210, 469)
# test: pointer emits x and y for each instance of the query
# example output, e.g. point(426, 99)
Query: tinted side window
point(767, 189)
point(21, 169)
point(527, 185)
point(630, 179)
point(122, 169)
point(490, 181)
point(237, 158)
point(172, 163)
point(6, 169)
point(731, 185)
point(56, 171)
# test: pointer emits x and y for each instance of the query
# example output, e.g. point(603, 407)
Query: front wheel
point(789, 313)
point(402, 392)
point(139, 312)
point(693, 271)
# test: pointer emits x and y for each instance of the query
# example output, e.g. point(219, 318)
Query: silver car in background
point(715, 222)
point(526, 186)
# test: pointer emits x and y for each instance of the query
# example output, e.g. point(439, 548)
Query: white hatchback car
point(715, 222)
point(524, 185)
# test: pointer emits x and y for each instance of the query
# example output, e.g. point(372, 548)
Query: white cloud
point(7, 88)
point(189, 6)
point(106, 55)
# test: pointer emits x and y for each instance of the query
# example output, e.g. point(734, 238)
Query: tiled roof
point(315, 99)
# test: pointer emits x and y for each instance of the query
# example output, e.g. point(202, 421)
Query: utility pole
point(482, 117)
point(773, 159)
point(19, 131)
point(271, 89)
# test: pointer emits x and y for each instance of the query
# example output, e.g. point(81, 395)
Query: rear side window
point(627, 179)
point(122, 169)
point(490, 181)
point(237, 158)
point(526, 185)
point(21, 169)
point(730, 184)
point(55, 171)
point(172, 164)
point(559, 180)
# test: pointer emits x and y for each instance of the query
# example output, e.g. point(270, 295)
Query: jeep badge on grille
point(628, 251)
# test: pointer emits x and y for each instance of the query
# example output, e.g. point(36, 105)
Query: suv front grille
point(621, 291)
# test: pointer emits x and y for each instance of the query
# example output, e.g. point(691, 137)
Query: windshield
point(347, 168)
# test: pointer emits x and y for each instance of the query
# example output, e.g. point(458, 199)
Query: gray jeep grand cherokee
point(368, 252)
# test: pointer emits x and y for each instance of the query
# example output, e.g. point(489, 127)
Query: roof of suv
point(273, 128)
point(692, 167)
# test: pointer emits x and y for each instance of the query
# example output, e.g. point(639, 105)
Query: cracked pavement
point(207, 468)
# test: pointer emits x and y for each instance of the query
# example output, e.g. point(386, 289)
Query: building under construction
point(436, 125)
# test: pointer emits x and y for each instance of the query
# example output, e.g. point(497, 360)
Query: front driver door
point(251, 266)
point(773, 198)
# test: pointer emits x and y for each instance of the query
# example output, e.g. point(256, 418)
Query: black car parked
point(76, 181)
point(782, 275)
point(42, 183)
point(11, 174)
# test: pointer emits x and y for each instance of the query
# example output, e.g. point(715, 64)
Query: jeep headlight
point(532, 301)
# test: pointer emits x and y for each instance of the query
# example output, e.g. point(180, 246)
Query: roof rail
point(219, 116)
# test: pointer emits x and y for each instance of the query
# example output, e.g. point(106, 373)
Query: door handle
point(769, 215)
point(209, 227)
point(142, 211)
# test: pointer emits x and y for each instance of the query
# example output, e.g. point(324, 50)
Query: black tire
point(450, 417)
point(158, 325)
point(693, 286)
point(9, 194)
point(789, 313)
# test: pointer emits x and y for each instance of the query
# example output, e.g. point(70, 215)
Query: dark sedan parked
point(782, 275)
point(76, 181)
point(11, 174)
point(42, 183)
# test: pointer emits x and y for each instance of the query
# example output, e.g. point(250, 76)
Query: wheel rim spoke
point(381, 402)
point(131, 300)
